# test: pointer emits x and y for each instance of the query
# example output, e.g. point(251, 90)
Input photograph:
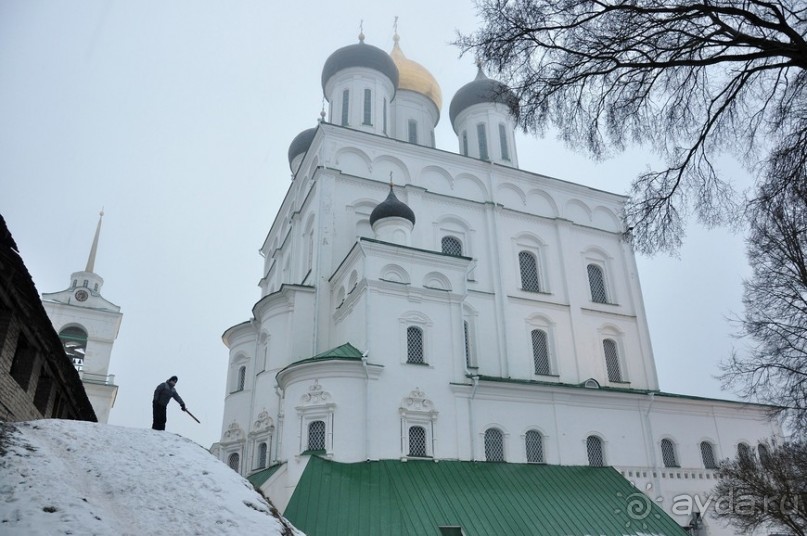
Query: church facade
point(418, 303)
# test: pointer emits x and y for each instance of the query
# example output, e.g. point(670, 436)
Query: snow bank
point(71, 477)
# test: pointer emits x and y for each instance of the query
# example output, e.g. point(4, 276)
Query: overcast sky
point(176, 118)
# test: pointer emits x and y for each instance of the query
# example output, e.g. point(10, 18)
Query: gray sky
point(176, 118)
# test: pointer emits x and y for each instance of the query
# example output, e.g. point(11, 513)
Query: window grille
point(708, 455)
point(743, 451)
point(594, 448)
point(764, 455)
point(368, 101)
point(482, 134)
point(451, 246)
point(612, 360)
point(234, 461)
point(242, 378)
point(503, 142)
point(345, 105)
point(417, 441)
point(464, 143)
point(316, 435)
point(668, 453)
point(262, 450)
point(494, 445)
point(414, 345)
point(540, 352)
point(529, 272)
point(466, 335)
point(596, 281)
point(535, 447)
point(413, 131)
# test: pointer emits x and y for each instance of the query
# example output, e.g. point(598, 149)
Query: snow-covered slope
point(70, 477)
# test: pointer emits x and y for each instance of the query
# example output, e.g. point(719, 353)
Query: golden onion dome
point(414, 77)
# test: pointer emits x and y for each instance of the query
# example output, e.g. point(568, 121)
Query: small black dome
point(392, 207)
point(360, 55)
point(482, 89)
point(301, 143)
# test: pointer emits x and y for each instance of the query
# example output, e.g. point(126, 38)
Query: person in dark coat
point(162, 396)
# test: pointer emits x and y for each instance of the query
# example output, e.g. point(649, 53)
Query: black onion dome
point(392, 207)
point(301, 143)
point(360, 55)
point(481, 90)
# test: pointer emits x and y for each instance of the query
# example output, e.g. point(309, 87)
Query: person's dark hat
point(173, 379)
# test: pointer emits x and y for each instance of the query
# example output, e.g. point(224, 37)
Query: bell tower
point(88, 324)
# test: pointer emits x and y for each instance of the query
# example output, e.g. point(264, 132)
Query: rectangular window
point(43, 389)
point(385, 115)
point(22, 363)
point(464, 143)
point(368, 107)
point(482, 134)
point(503, 142)
point(345, 106)
point(413, 131)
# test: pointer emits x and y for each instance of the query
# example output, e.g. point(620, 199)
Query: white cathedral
point(419, 303)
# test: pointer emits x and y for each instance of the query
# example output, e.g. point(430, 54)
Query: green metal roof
point(346, 352)
point(417, 497)
point(258, 479)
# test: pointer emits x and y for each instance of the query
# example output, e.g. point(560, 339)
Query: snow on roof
point(75, 477)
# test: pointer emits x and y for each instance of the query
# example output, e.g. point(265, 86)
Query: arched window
point(540, 352)
point(74, 340)
point(503, 142)
point(414, 345)
point(612, 360)
point(668, 453)
point(596, 282)
point(708, 455)
point(451, 246)
point(529, 272)
point(743, 451)
point(262, 452)
point(316, 435)
point(494, 445)
point(594, 450)
point(234, 461)
point(482, 136)
point(534, 444)
point(764, 455)
point(242, 378)
point(417, 441)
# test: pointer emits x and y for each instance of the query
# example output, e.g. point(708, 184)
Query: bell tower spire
point(94, 249)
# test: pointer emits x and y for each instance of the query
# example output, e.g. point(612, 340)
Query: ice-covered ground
point(70, 477)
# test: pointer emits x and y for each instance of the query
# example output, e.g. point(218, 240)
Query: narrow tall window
point(345, 106)
point(316, 435)
point(414, 345)
point(242, 378)
point(482, 135)
point(534, 444)
point(413, 131)
point(503, 142)
point(708, 455)
point(467, 336)
point(44, 387)
point(594, 449)
point(668, 453)
point(417, 441)
point(451, 246)
point(23, 362)
point(540, 352)
point(464, 143)
point(234, 461)
point(494, 445)
point(529, 272)
point(368, 107)
point(764, 455)
point(596, 282)
point(385, 115)
point(743, 451)
point(262, 451)
point(612, 360)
